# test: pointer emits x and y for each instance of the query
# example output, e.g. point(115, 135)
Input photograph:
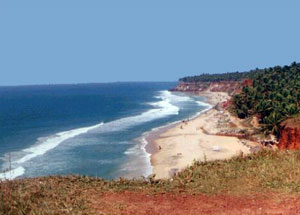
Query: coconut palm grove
point(273, 96)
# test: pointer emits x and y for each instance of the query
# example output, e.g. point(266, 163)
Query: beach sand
point(178, 146)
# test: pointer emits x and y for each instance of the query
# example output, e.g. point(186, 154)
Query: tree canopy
point(274, 96)
point(230, 76)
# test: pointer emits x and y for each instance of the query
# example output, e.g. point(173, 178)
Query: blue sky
point(71, 41)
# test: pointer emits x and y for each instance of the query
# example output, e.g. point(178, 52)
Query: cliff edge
point(290, 134)
point(230, 87)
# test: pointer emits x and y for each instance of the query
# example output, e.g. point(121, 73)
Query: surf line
point(43, 145)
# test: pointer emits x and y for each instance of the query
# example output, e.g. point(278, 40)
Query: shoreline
point(154, 134)
point(168, 148)
point(147, 139)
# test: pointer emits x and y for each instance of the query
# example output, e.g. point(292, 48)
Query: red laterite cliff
point(290, 134)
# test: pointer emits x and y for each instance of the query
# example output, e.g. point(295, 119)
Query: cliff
point(290, 134)
point(231, 87)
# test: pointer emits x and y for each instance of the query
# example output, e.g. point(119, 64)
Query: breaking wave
point(160, 109)
point(43, 145)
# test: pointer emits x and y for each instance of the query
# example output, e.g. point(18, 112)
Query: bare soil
point(129, 203)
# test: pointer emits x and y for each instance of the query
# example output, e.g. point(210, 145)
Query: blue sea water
point(89, 129)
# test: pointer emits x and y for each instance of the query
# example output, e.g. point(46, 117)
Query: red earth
point(290, 134)
point(134, 203)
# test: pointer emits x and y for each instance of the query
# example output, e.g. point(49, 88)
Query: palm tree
point(291, 110)
point(263, 107)
point(272, 122)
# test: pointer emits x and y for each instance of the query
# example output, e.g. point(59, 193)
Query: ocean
point(86, 129)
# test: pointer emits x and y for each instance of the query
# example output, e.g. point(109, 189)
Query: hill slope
point(268, 181)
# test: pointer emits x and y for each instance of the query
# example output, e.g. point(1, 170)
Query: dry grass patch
point(266, 171)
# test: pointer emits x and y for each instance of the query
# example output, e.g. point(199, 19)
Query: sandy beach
point(175, 147)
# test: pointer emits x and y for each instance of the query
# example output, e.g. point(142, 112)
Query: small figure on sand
point(159, 147)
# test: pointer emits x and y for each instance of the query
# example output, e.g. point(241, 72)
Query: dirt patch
point(174, 204)
point(290, 134)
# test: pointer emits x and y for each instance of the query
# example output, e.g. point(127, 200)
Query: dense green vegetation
point(274, 96)
point(232, 76)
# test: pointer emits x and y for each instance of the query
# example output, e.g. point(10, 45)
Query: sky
point(91, 41)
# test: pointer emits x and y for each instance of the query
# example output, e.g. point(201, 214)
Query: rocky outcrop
point(191, 86)
point(226, 104)
point(290, 134)
point(247, 82)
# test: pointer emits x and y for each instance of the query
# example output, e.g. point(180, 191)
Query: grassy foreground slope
point(265, 172)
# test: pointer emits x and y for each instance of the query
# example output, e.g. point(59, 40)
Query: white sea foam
point(48, 143)
point(165, 106)
point(174, 97)
point(41, 147)
point(139, 150)
point(161, 109)
point(9, 175)
point(203, 104)
point(139, 161)
point(149, 169)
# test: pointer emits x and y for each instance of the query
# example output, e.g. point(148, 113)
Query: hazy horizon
point(73, 42)
point(87, 83)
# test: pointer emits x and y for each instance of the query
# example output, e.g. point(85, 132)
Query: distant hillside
point(229, 76)
point(232, 76)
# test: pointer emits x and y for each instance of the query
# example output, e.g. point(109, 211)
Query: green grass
point(266, 171)
point(273, 171)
